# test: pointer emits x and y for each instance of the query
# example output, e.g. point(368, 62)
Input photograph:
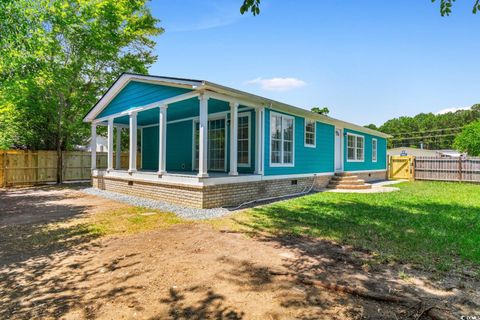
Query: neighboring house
point(418, 152)
point(206, 145)
point(101, 145)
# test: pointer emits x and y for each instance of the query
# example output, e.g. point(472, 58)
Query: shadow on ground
point(37, 235)
point(192, 271)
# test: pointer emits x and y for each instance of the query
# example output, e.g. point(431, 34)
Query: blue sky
point(367, 61)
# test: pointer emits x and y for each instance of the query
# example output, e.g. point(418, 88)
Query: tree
point(469, 139)
point(58, 56)
point(434, 131)
point(319, 110)
point(445, 7)
point(371, 126)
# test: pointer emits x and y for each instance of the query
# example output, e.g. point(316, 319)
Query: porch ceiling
point(176, 111)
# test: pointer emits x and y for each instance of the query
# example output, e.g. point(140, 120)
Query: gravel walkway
point(184, 212)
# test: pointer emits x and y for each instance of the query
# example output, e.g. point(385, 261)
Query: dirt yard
point(52, 265)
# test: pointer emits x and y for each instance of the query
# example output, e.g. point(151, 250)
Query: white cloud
point(278, 84)
point(447, 110)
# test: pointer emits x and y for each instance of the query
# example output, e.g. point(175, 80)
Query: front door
point(216, 144)
point(338, 150)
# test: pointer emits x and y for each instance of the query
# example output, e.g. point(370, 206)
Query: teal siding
point(150, 148)
point(367, 164)
point(136, 94)
point(179, 147)
point(307, 160)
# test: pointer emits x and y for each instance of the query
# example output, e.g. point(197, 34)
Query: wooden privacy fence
point(23, 168)
point(448, 169)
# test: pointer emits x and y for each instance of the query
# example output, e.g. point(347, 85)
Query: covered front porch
point(195, 138)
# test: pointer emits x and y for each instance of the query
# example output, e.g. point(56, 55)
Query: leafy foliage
point(372, 126)
point(250, 5)
point(434, 131)
point(469, 139)
point(319, 110)
point(445, 7)
point(57, 57)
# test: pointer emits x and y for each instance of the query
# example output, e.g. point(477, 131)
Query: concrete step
point(343, 174)
point(347, 182)
point(350, 186)
point(344, 178)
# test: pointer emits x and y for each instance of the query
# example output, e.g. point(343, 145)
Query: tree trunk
point(60, 140)
point(59, 163)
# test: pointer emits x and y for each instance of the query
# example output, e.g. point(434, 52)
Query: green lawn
point(430, 224)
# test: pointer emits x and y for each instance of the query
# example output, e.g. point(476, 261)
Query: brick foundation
point(221, 195)
point(372, 176)
point(237, 193)
point(190, 196)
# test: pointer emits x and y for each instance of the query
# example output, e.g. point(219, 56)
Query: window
point(243, 154)
point(216, 144)
point(281, 140)
point(355, 147)
point(374, 150)
point(309, 133)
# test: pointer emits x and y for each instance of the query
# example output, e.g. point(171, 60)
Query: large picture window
point(243, 154)
point(355, 147)
point(281, 140)
point(374, 150)
point(309, 133)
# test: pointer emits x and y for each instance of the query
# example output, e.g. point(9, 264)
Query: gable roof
point(204, 85)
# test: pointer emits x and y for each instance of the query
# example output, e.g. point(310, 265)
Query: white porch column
point(118, 157)
point(259, 116)
point(93, 146)
point(132, 159)
point(203, 137)
point(110, 145)
point(233, 138)
point(162, 140)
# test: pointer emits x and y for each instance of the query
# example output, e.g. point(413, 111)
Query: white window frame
point(314, 133)
point(196, 120)
point(246, 165)
point(281, 151)
point(356, 136)
point(375, 151)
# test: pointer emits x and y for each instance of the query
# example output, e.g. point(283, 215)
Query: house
point(101, 145)
point(408, 151)
point(420, 152)
point(206, 145)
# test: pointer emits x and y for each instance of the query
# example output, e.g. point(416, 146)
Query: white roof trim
point(156, 104)
point(124, 80)
point(223, 93)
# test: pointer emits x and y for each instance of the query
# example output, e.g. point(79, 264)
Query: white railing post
point(93, 146)
point(259, 116)
point(110, 145)
point(203, 137)
point(162, 140)
point(233, 138)
point(132, 159)
point(118, 157)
